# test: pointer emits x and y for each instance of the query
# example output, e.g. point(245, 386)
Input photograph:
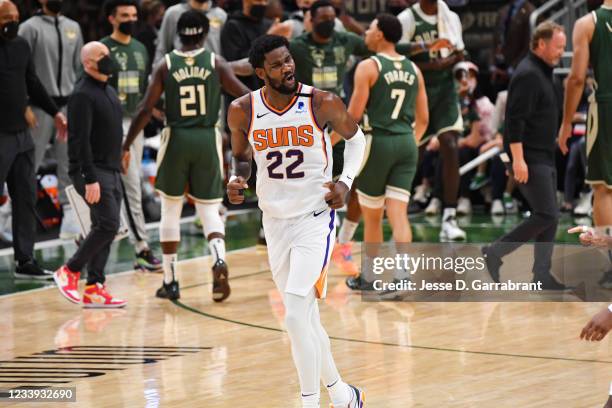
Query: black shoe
point(221, 289)
point(31, 270)
point(394, 294)
point(146, 261)
point(606, 280)
point(549, 283)
point(169, 291)
point(493, 262)
point(358, 283)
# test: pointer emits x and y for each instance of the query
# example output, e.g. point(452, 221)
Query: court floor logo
point(66, 364)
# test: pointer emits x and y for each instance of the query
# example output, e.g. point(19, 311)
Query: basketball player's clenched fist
point(337, 194)
point(235, 189)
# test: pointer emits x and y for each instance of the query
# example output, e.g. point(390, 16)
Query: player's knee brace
point(210, 217)
point(170, 225)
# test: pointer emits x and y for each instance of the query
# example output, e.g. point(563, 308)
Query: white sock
point(339, 393)
point(169, 265)
point(347, 230)
point(449, 212)
point(311, 400)
point(217, 248)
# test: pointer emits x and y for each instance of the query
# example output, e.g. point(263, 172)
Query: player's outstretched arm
point(329, 110)
point(238, 120)
point(421, 109)
point(229, 82)
point(597, 328)
point(583, 32)
point(152, 96)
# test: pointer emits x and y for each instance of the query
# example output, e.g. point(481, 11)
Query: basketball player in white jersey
point(282, 127)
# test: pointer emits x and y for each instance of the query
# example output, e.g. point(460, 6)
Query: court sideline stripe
point(350, 340)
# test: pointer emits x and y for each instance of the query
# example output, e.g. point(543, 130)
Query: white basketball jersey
point(293, 155)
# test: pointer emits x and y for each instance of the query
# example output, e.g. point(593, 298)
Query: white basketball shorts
point(299, 250)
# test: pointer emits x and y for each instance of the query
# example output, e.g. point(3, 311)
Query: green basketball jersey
point(601, 54)
point(130, 81)
point(192, 89)
point(324, 65)
point(391, 106)
point(427, 32)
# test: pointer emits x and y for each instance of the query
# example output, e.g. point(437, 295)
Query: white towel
point(449, 27)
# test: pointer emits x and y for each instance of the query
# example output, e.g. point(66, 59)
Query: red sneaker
point(96, 296)
point(342, 256)
point(68, 283)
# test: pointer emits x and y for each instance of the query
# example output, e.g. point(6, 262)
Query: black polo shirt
point(532, 111)
point(95, 129)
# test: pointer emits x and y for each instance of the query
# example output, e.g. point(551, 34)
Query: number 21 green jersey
point(192, 89)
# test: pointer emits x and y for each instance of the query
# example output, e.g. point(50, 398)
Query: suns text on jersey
point(283, 136)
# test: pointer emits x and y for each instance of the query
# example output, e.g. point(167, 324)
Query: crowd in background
point(234, 24)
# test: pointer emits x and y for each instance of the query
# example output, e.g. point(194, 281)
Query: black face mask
point(395, 10)
point(54, 6)
point(127, 27)
point(325, 29)
point(106, 66)
point(9, 30)
point(258, 11)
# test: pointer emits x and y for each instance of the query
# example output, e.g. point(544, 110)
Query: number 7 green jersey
point(192, 89)
point(391, 106)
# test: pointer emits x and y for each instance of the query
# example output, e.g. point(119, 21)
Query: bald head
point(91, 53)
point(8, 13)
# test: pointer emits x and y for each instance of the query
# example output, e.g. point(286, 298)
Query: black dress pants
point(105, 216)
point(17, 170)
point(541, 226)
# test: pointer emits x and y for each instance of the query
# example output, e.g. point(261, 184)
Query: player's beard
point(282, 88)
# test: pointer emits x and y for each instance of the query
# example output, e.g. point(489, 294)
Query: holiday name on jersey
point(191, 72)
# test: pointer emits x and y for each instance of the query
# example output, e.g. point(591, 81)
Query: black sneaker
point(358, 283)
point(31, 270)
point(146, 261)
point(221, 289)
point(169, 291)
point(550, 283)
point(493, 262)
point(606, 280)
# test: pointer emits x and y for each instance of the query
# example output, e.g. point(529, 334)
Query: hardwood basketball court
point(199, 353)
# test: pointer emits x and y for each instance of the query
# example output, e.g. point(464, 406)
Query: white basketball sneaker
point(450, 230)
point(357, 399)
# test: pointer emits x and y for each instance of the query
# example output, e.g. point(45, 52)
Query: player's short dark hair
point(264, 45)
point(192, 26)
point(319, 4)
point(110, 7)
point(390, 27)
